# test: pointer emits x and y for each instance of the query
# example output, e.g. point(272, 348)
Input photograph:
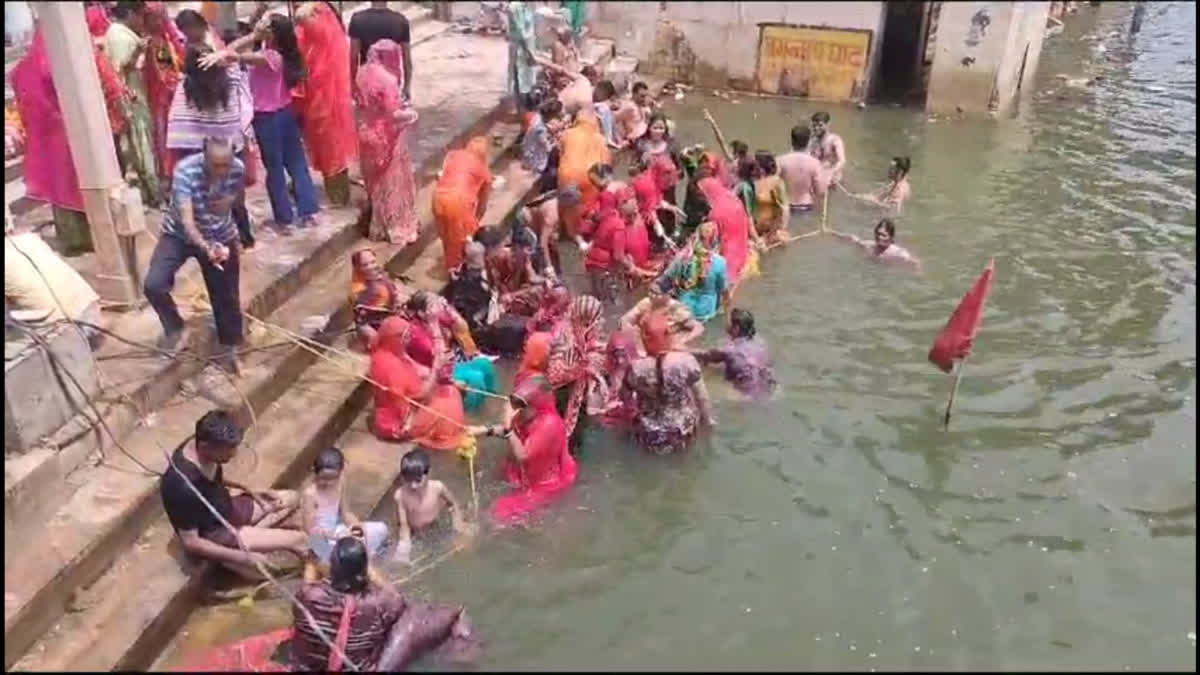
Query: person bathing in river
point(541, 214)
point(827, 147)
point(650, 186)
point(884, 248)
point(420, 500)
point(896, 191)
point(576, 359)
point(684, 326)
point(735, 231)
point(511, 271)
point(382, 631)
point(658, 142)
point(582, 147)
point(744, 357)
point(609, 260)
point(375, 295)
point(401, 382)
point(801, 172)
point(323, 508)
point(667, 384)
point(539, 466)
point(698, 276)
point(770, 200)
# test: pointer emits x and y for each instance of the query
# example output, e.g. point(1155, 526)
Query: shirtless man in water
point(419, 501)
point(801, 172)
point(884, 248)
point(827, 147)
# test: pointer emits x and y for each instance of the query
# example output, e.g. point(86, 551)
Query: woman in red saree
point(383, 138)
point(401, 383)
point(461, 197)
point(539, 467)
point(577, 357)
point(733, 224)
point(534, 358)
point(162, 70)
point(650, 186)
point(324, 103)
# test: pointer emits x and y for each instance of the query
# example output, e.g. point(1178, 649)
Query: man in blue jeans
point(199, 224)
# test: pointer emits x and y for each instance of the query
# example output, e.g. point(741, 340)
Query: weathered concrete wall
point(716, 44)
point(979, 51)
point(38, 396)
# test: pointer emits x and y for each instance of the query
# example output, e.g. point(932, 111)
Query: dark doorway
point(902, 55)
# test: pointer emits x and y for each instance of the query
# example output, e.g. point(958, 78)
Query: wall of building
point(716, 44)
point(978, 55)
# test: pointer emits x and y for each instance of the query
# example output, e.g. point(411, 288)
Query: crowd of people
point(191, 111)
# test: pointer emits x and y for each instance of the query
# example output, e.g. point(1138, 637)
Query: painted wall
point(978, 56)
point(716, 44)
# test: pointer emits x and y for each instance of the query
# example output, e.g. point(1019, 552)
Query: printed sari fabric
point(577, 354)
point(383, 139)
point(323, 100)
point(136, 141)
point(161, 68)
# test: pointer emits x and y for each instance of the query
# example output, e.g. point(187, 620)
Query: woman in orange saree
point(162, 69)
point(460, 198)
point(436, 423)
point(324, 103)
point(383, 136)
point(581, 147)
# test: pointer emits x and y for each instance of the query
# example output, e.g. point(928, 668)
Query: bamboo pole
point(954, 392)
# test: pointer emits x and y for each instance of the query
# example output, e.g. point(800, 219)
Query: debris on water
point(862, 105)
point(679, 96)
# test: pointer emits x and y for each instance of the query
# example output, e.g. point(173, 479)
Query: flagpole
point(954, 392)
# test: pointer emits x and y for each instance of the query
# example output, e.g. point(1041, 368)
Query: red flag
point(954, 342)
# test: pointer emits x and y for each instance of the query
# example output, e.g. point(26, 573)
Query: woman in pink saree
point(324, 104)
point(383, 138)
point(733, 224)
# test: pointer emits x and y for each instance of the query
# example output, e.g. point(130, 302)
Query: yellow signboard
point(827, 64)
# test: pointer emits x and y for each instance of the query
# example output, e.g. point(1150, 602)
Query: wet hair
point(417, 302)
point(590, 72)
point(601, 170)
point(747, 169)
point(205, 88)
point(283, 36)
point(742, 322)
point(552, 109)
point(766, 161)
point(218, 427)
point(415, 464)
point(329, 459)
point(127, 8)
point(739, 149)
point(489, 236)
point(820, 117)
point(887, 226)
point(522, 237)
point(903, 163)
point(800, 136)
point(640, 86)
point(190, 17)
point(603, 91)
point(348, 566)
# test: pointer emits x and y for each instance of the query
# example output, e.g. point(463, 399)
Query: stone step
point(130, 625)
point(35, 482)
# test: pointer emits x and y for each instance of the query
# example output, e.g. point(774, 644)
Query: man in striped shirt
point(199, 225)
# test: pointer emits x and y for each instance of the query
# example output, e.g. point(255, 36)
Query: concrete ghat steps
point(36, 481)
point(128, 633)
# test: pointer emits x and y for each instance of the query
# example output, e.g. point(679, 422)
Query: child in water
point(419, 501)
point(325, 514)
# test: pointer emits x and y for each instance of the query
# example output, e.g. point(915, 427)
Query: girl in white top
point(326, 517)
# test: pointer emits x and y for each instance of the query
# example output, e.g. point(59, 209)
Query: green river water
point(837, 526)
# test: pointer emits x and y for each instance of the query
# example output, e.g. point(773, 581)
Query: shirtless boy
point(827, 147)
point(884, 248)
point(419, 501)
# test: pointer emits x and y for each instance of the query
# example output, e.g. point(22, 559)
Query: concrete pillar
point(73, 67)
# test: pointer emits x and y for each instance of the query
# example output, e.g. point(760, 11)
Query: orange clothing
point(460, 196)
point(435, 423)
point(582, 147)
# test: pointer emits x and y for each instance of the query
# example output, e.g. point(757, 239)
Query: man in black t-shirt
point(376, 23)
point(256, 515)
